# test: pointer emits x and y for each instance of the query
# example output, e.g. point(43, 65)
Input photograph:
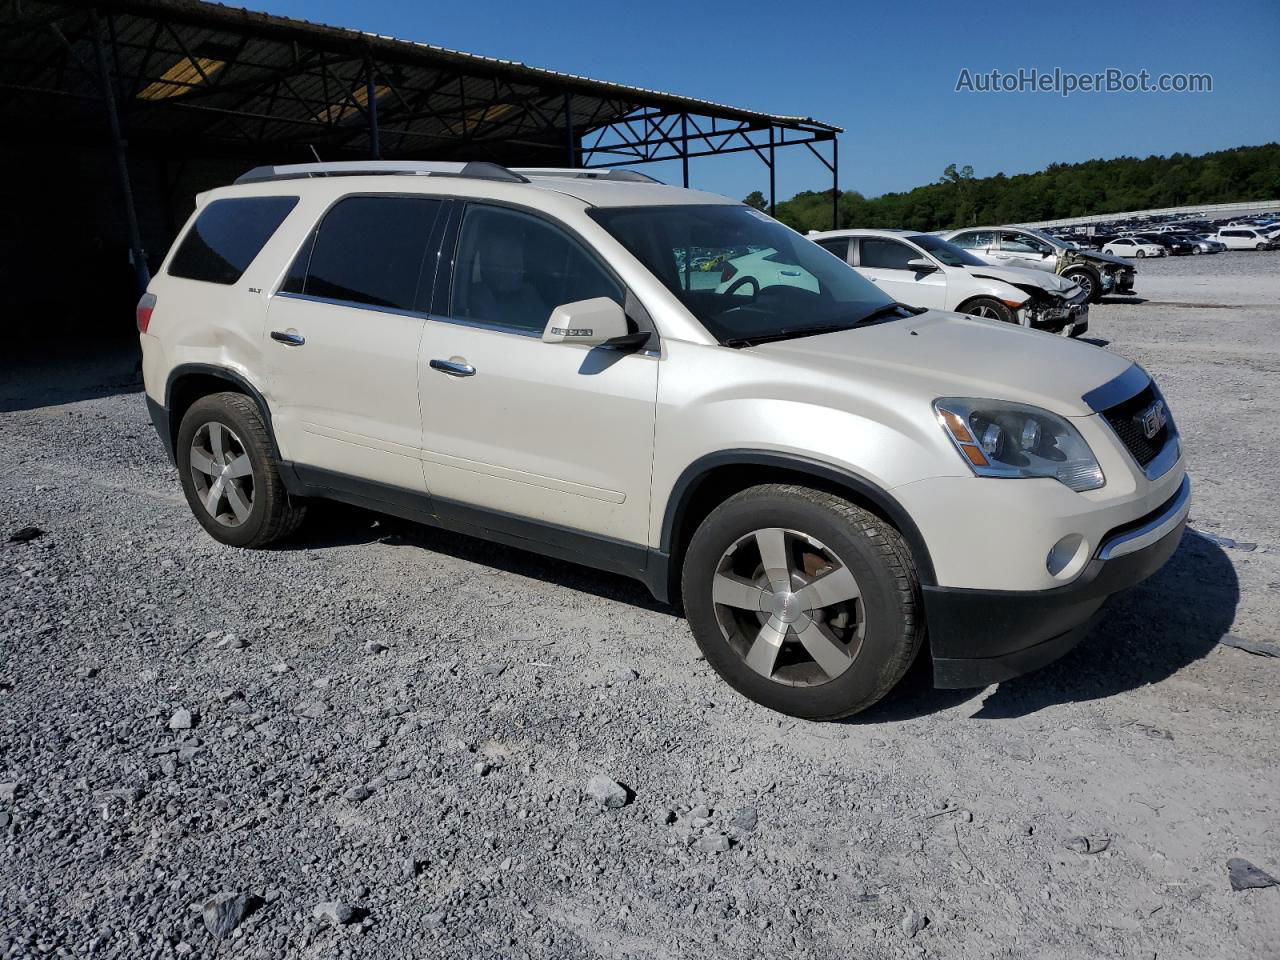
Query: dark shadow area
point(1142, 636)
point(1129, 300)
point(1096, 341)
point(338, 525)
point(83, 367)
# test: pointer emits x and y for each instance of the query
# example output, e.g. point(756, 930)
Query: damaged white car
point(922, 270)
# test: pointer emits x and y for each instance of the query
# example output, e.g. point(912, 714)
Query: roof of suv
point(593, 186)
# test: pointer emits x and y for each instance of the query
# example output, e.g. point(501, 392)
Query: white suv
point(824, 478)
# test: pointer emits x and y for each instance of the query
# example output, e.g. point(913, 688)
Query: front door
point(342, 341)
point(1018, 249)
point(885, 263)
point(558, 433)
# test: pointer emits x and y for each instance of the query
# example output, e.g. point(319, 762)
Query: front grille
point(1126, 420)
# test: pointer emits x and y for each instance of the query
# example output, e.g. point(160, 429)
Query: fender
point(222, 373)
point(892, 510)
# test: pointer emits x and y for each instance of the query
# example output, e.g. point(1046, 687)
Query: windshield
point(742, 274)
point(948, 253)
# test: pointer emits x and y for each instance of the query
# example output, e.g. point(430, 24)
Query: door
point(559, 433)
point(1018, 249)
point(885, 263)
point(343, 336)
point(981, 243)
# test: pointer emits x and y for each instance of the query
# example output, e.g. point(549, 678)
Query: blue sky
point(886, 72)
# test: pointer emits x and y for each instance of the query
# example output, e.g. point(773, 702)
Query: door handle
point(290, 339)
point(453, 369)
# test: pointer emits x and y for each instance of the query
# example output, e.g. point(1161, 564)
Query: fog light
point(1067, 557)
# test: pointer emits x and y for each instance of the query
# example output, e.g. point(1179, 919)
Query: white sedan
point(922, 270)
point(1133, 247)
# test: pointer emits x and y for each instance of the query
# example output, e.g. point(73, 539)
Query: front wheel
point(1139, 254)
point(229, 474)
point(802, 601)
point(988, 308)
point(1261, 246)
point(1088, 283)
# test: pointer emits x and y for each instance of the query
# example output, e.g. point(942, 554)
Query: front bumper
point(980, 637)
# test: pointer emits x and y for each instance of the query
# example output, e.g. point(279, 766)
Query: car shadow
point(338, 525)
point(1142, 636)
point(1133, 301)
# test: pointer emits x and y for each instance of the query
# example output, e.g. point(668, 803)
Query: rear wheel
point(988, 308)
point(802, 601)
point(229, 474)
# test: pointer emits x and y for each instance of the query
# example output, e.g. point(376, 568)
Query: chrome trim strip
point(1165, 459)
point(1129, 384)
point(1153, 530)
point(353, 305)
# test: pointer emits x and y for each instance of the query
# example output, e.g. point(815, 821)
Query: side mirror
point(592, 322)
point(921, 265)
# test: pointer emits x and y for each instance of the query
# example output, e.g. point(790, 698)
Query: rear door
point(516, 428)
point(885, 263)
point(342, 340)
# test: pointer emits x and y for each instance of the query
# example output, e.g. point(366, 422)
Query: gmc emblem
point(1153, 419)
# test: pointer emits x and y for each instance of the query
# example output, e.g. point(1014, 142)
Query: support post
point(772, 178)
point(140, 270)
point(371, 109)
point(684, 147)
point(570, 138)
point(835, 182)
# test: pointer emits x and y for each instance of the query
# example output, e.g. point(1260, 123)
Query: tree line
point(1061, 190)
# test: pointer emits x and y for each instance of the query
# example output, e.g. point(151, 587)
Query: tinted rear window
point(369, 250)
point(226, 236)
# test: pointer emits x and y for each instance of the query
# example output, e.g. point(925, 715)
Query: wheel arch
point(188, 382)
point(713, 478)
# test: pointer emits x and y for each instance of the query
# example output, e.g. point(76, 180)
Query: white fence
point(1204, 209)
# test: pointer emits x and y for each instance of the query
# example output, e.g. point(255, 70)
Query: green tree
point(756, 199)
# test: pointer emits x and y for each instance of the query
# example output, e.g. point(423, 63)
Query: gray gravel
point(414, 783)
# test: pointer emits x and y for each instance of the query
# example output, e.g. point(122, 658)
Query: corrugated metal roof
point(268, 78)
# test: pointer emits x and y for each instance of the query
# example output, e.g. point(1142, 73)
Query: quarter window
point(513, 269)
point(226, 237)
point(369, 250)
point(886, 254)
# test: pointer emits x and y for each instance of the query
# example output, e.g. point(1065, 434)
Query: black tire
point(272, 513)
point(873, 552)
point(1088, 280)
point(1195, 251)
point(1139, 253)
point(1260, 247)
point(990, 308)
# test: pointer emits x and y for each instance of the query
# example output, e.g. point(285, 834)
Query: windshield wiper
point(785, 334)
point(886, 310)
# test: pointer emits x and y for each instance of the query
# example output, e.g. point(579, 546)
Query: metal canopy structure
point(199, 77)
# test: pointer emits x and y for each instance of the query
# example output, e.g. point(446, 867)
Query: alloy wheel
point(789, 607)
point(222, 474)
point(983, 311)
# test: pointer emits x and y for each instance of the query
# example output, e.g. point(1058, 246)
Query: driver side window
point(1021, 243)
point(886, 254)
point(513, 269)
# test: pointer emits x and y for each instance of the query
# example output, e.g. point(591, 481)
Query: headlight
point(998, 438)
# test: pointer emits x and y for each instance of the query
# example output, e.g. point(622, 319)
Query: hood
point(1023, 277)
point(1102, 258)
point(939, 354)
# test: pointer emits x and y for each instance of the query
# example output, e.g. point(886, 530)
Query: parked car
point(1174, 245)
point(922, 270)
point(1134, 247)
point(1097, 273)
point(1202, 243)
point(1245, 238)
point(818, 476)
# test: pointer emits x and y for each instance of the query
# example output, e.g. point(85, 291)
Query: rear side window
point(975, 240)
point(369, 250)
point(839, 246)
point(226, 236)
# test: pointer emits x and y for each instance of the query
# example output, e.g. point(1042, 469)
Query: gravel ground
point(380, 740)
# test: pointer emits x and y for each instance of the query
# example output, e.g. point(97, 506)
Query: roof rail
point(586, 173)
point(476, 170)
